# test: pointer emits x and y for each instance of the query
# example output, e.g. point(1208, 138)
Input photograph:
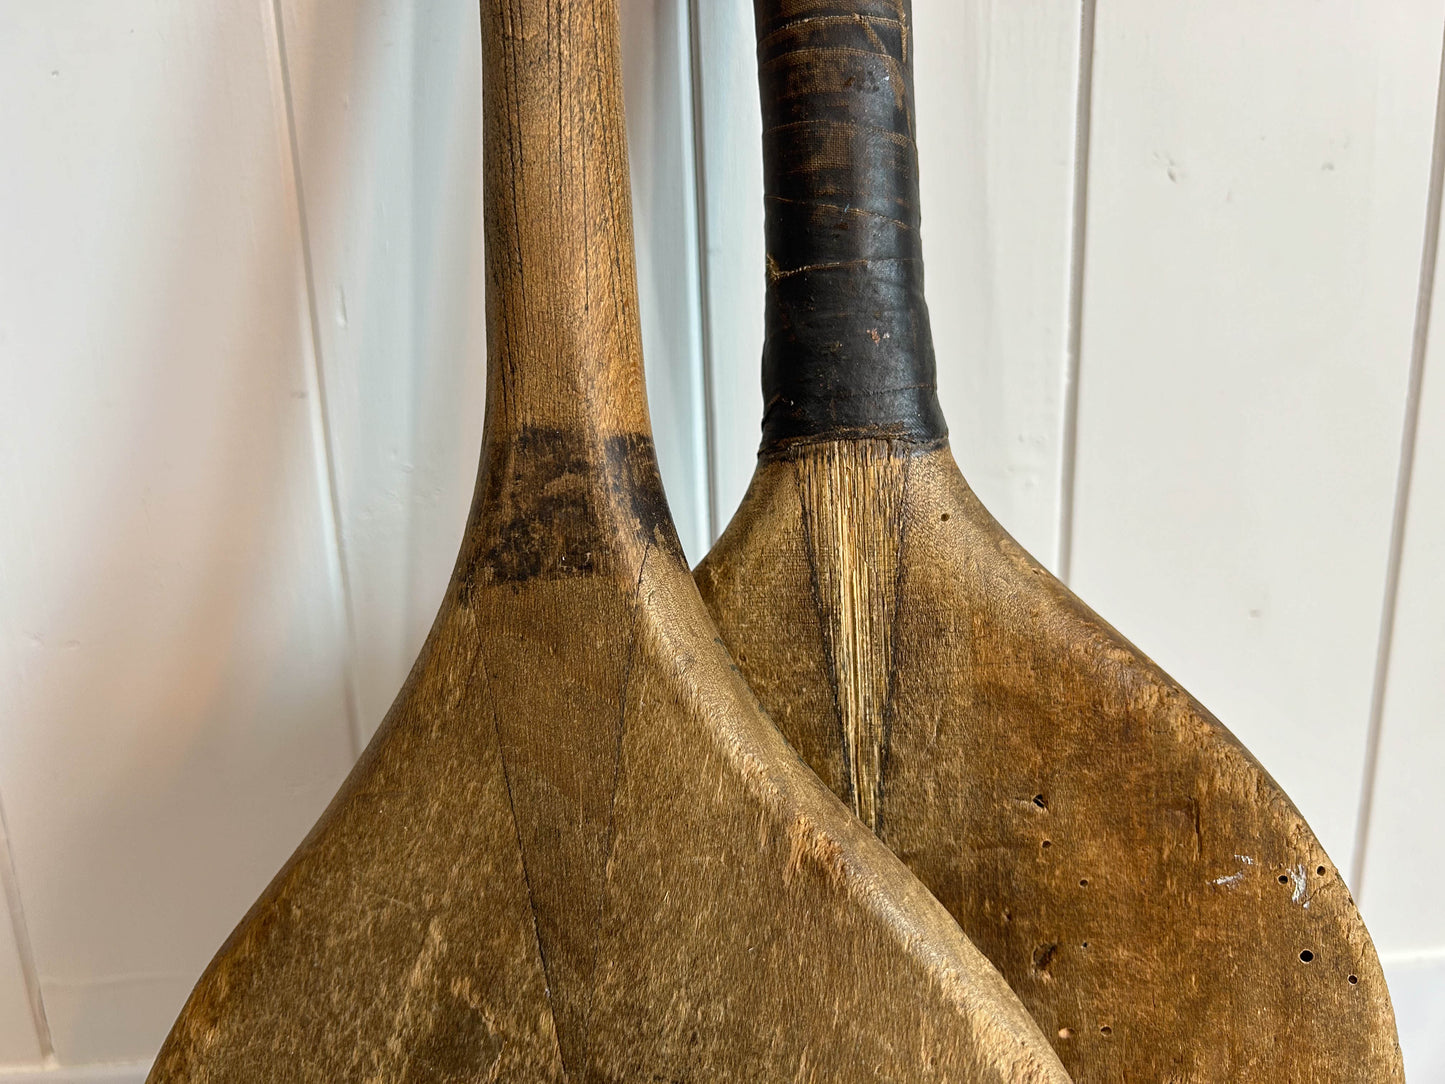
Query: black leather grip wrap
point(848, 351)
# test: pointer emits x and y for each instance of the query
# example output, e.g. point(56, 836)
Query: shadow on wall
point(180, 719)
point(388, 124)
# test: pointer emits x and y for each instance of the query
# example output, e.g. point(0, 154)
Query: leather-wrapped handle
point(848, 349)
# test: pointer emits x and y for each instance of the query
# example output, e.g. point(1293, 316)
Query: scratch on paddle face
point(1300, 894)
point(385, 900)
point(1234, 878)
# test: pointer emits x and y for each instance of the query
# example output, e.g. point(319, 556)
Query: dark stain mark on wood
point(1044, 959)
point(636, 484)
point(541, 517)
point(544, 518)
point(459, 1047)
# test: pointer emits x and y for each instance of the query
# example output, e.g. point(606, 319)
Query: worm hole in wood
point(1044, 957)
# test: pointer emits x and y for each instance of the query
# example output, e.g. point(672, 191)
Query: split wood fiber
point(576, 850)
point(1148, 890)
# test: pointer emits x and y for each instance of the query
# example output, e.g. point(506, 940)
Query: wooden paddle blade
point(636, 881)
point(1148, 890)
point(576, 850)
point(398, 943)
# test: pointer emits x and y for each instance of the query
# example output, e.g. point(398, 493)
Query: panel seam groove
point(1403, 478)
point(24, 949)
point(699, 183)
point(321, 413)
point(1069, 436)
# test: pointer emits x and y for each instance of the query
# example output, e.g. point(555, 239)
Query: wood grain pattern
point(1143, 884)
point(1146, 887)
point(853, 524)
point(388, 141)
point(575, 849)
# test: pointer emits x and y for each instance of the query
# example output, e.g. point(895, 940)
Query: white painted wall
point(173, 656)
point(1182, 266)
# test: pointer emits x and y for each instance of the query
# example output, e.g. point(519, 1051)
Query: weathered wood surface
point(1149, 891)
point(575, 849)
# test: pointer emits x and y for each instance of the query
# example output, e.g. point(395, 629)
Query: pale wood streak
point(851, 494)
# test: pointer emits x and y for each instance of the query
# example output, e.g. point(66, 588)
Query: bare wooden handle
point(563, 344)
point(848, 349)
point(566, 404)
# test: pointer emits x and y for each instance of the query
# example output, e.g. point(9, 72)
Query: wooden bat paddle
point(576, 850)
point(1149, 891)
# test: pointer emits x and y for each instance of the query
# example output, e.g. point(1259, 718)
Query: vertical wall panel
point(1417, 989)
point(1257, 197)
point(730, 134)
point(657, 84)
point(386, 99)
point(173, 639)
point(1404, 877)
point(170, 648)
point(996, 86)
point(997, 83)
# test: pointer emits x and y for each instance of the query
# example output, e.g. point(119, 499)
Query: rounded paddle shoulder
point(397, 942)
point(706, 909)
point(1147, 889)
point(577, 850)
